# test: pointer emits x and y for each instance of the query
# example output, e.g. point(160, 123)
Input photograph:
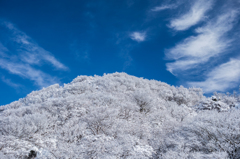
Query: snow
point(120, 116)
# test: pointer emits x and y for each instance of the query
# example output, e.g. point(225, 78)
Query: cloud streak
point(26, 71)
point(163, 7)
point(221, 78)
point(195, 15)
point(10, 83)
point(196, 54)
point(24, 55)
point(30, 51)
point(210, 42)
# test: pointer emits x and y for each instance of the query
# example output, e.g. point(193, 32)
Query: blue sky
point(189, 43)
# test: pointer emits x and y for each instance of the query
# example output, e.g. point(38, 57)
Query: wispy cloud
point(221, 78)
point(10, 83)
point(163, 7)
point(24, 55)
point(3, 49)
point(138, 36)
point(210, 41)
point(193, 16)
point(26, 71)
point(30, 51)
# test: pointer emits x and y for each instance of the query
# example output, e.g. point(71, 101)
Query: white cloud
point(3, 49)
point(26, 71)
point(10, 83)
point(163, 7)
point(193, 16)
point(138, 36)
point(210, 42)
point(221, 78)
point(182, 65)
point(23, 56)
point(30, 51)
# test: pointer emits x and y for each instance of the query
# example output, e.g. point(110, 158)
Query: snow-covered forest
point(118, 116)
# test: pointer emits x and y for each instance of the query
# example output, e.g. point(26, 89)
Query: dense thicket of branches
point(120, 116)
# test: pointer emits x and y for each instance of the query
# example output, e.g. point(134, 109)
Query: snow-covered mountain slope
point(119, 116)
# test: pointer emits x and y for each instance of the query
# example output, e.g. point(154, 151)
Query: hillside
point(120, 116)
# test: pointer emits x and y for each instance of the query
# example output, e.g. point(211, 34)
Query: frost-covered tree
point(119, 116)
point(207, 133)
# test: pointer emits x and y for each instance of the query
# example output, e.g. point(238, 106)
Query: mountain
point(120, 116)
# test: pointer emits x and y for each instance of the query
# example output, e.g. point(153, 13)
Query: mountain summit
point(120, 116)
